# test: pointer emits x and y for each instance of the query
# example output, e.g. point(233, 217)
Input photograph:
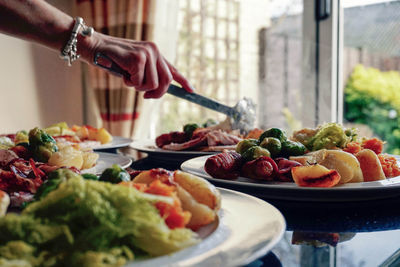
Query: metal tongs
point(242, 115)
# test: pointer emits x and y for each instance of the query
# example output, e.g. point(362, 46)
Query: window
point(371, 67)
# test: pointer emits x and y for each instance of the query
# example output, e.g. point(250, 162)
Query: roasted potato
point(345, 163)
point(201, 190)
point(197, 195)
point(370, 165)
point(67, 157)
point(315, 176)
point(89, 159)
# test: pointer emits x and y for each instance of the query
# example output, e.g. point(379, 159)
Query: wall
point(37, 88)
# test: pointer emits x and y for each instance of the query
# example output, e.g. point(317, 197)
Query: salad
point(80, 221)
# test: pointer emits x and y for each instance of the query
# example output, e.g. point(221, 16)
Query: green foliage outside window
point(372, 97)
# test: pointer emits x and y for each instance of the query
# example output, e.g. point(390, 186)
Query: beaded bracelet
point(69, 52)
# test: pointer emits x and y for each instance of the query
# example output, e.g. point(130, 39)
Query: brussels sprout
point(209, 122)
point(292, 148)
point(41, 144)
point(273, 145)
point(274, 132)
point(255, 152)
point(245, 144)
point(190, 128)
point(90, 176)
point(115, 175)
point(47, 187)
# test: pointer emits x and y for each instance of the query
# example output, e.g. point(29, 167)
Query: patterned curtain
point(118, 106)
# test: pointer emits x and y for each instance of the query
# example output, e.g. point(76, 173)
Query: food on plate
point(254, 134)
point(194, 137)
point(274, 132)
point(42, 147)
point(273, 145)
point(326, 156)
point(6, 142)
point(92, 223)
point(255, 152)
point(86, 136)
point(197, 195)
point(328, 135)
point(115, 175)
point(370, 165)
point(26, 165)
point(261, 168)
point(315, 176)
point(345, 163)
point(41, 144)
point(389, 165)
point(245, 144)
point(79, 134)
point(225, 165)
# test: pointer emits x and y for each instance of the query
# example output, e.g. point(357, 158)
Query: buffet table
point(359, 233)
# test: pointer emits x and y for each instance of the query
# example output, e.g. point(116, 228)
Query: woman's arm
point(40, 22)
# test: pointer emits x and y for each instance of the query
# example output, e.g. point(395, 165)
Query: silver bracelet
point(69, 52)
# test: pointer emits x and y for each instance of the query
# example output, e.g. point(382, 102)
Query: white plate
point(117, 142)
point(248, 228)
point(106, 160)
point(148, 146)
point(290, 191)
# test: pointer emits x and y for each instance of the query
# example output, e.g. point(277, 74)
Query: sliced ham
point(205, 139)
point(199, 141)
point(218, 137)
point(6, 156)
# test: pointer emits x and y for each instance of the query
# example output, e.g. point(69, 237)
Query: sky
point(280, 7)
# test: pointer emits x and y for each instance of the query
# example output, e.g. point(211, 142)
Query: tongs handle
point(172, 89)
point(114, 68)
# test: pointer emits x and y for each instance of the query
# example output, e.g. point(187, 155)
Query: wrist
point(87, 46)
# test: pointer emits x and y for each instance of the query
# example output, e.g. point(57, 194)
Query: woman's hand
point(149, 70)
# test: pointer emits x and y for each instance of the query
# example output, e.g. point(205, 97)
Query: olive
point(255, 152)
point(274, 132)
point(273, 145)
point(292, 148)
point(245, 144)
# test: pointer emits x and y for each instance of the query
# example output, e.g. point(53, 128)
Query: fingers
point(150, 81)
point(148, 70)
point(165, 78)
point(180, 78)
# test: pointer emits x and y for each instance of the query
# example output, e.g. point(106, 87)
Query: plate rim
point(125, 142)
point(107, 154)
point(374, 186)
point(139, 146)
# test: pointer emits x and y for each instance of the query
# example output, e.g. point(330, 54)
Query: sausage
point(262, 168)
point(225, 165)
point(284, 169)
point(172, 137)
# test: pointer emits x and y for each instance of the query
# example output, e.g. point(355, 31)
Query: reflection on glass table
point(346, 234)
